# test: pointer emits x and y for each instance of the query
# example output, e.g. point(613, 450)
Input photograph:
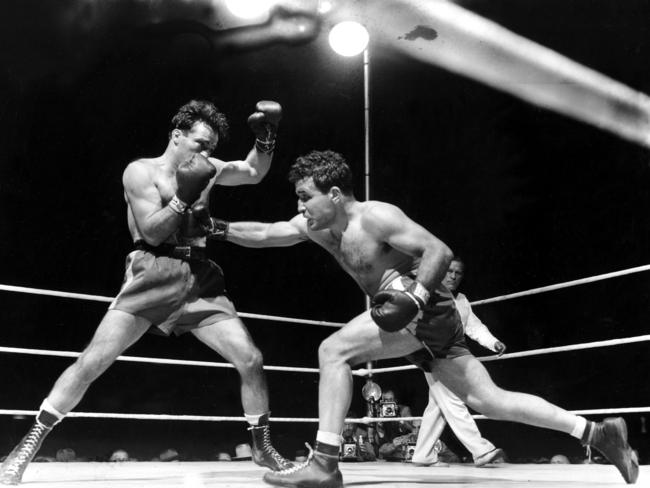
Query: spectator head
point(243, 452)
point(223, 456)
point(119, 456)
point(65, 455)
point(388, 396)
point(168, 455)
point(455, 274)
point(560, 459)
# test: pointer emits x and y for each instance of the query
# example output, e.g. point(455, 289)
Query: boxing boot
point(610, 438)
point(12, 469)
point(321, 470)
point(264, 454)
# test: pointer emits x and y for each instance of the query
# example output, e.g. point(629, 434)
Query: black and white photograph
point(246, 242)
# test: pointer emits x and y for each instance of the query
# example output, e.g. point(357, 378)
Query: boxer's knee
point(492, 402)
point(331, 351)
point(249, 360)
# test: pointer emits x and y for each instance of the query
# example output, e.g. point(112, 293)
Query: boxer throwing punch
point(400, 265)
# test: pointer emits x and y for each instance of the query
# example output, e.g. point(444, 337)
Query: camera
point(388, 409)
point(349, 451)
point(410, 450)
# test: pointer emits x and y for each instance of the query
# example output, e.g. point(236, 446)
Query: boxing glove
point(192, 177)
point(213, 228)
point(264, 124)
point(392, 310)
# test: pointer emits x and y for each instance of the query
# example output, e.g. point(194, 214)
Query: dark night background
point(526, 196)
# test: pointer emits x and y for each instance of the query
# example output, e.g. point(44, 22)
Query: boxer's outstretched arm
point(263, 234)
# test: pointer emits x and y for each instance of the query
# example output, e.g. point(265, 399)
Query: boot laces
point(268, 448)
point(27, 448)
point(297, 467)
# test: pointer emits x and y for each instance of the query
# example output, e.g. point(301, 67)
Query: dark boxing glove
point(213, 228)
point(191, 178)
point(264, 124)
point(393, 310)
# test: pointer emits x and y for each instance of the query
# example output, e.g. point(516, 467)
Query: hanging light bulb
point(348, 38)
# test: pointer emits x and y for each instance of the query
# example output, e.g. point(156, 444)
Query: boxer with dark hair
point(400, 265)
point(169, 284)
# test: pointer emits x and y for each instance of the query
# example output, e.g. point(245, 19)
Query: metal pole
point(366, 120)
point(366, 134)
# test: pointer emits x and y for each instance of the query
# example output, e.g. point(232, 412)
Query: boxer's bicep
point(141, 194)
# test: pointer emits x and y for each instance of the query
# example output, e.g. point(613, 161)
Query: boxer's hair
point(200, 111)
point(327, 168)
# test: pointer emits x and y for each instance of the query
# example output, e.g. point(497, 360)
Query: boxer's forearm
point(434, 263)
point(157, 227)
point(262, 234)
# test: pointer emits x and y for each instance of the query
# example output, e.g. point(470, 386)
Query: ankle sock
point(258, 419)
point(48, 415)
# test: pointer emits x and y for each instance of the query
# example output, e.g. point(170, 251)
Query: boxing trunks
point(437, 326)
point(176, 288)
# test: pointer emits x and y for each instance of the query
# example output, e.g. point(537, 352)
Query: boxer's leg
point(231, 339)
point(115, 333)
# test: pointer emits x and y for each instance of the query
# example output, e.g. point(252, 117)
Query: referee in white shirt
point(444, 406)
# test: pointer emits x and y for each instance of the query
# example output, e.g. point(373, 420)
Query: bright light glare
point(348, 38)
point(248, 9)
point(324, 6)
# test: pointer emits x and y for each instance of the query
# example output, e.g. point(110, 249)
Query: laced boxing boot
point(264, 454)
point(610, 438)
point(321, 470)
point(11, 471)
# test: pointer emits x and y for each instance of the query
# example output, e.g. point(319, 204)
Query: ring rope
point(533, 352)
point(136, 359)
point(146, 416)
point(566, 284)
point(357, 372)
point(100, 298)
point(533, 291)
point(216, 418)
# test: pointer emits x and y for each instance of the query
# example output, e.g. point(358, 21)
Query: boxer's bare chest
point(358, 252)
point(166, 186)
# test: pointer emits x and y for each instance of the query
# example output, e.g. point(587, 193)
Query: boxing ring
point(380, 473)
point(366, 475)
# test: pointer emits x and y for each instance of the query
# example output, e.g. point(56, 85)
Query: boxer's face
point(454, 275)
point(200, 139)
point(317, 207)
